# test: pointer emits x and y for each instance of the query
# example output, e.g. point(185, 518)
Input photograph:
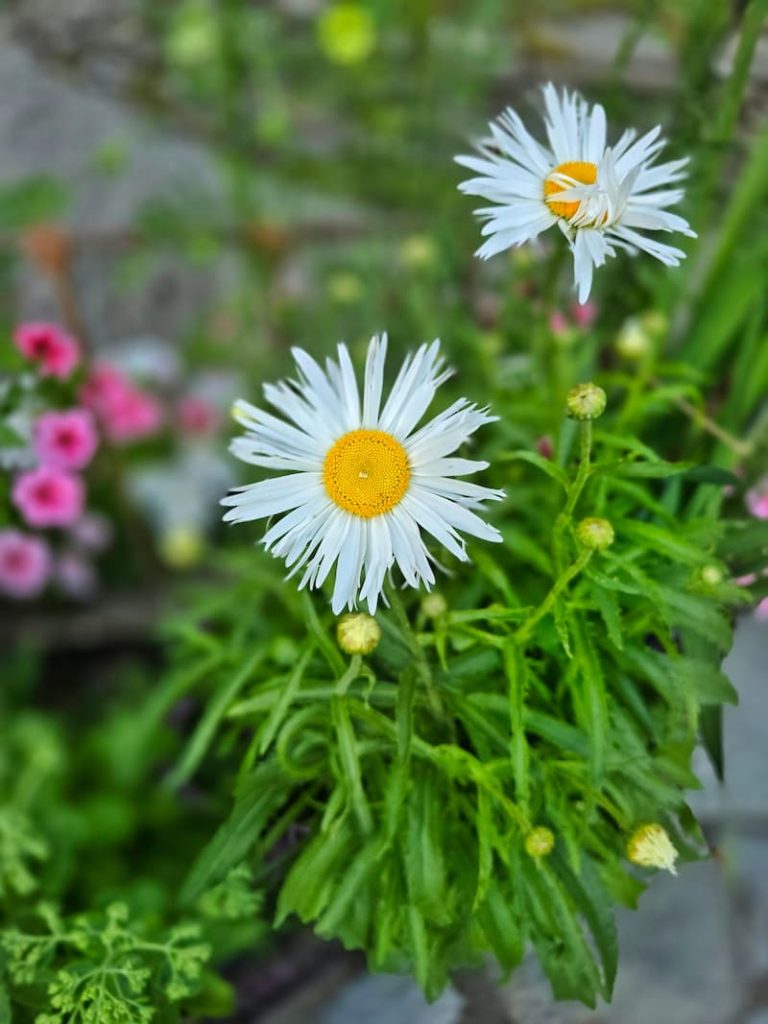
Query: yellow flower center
point(366, 472)
point(582, 171)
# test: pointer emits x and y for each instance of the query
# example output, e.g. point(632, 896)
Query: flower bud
point(633, 341)
point(434, 605)
point(181, 547)
point(539, 842)
point(650, 847)
point(711, 575)
point(358, 633)
point(585, 402)
point(595, 534)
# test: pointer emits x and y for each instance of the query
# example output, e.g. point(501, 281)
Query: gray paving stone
point(390, 999)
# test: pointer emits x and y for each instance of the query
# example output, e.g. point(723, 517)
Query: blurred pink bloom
point(105, 385)
point(25, 564)
point(757, 500)
point(50, 346)
point(545, 447)
point(746, 581)
point(197, 416)
point(134, 416)
point(66, 439)
point(126, 413)
point(93, 532)
point(75, 576)
point(558, 322)
point(761, 611)
point(584, 316)
point(49, 496)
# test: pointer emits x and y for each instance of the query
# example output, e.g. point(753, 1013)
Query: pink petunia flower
point(49, 496)
point(66, 439)
point(757, 500)
point(54, 350)
point(197, 416)
point(25, 564)
point(126, 413)
point(761, 611)
point(584, 316)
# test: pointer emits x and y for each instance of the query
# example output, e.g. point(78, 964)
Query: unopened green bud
point(434, 605)
point(585, 402)
point(650, 847)
point(711, 575)
point(595, 534)
point(358, 633)
point(539, 842)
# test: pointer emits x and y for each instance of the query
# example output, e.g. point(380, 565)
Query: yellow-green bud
point(434, 605)
point(595, 534)
point(633, 341)
point(345, 288)
point(181, 547)
point(655, 322)
point(347, 32)
point(418, 251)
point(358, 633)
point(650, 847)
point(711, 575)
point(539, 842)
point(585, 402)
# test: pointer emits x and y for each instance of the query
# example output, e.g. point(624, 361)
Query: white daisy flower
point(600, 197)
point(363, 481)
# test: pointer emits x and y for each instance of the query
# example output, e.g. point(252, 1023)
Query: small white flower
point(600, 197)
point(363, 480)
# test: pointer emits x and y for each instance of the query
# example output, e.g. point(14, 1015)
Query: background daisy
point(601, 198)
point(364, 480)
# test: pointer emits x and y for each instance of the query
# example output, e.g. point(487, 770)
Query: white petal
point(270, 497)
point(374, 380)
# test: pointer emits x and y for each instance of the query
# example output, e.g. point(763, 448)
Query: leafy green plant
point(560, 685)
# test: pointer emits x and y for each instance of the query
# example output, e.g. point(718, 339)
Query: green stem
point(523, 633)
point(423, 670)
point(351, 674)
point(574, 492)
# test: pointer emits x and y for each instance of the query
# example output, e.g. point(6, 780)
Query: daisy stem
point(523, 633)
point(423, 671)
point(574, 493)
point(351, 674)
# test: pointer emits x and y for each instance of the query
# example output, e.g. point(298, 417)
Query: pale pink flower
point(125, 412)
point(66, 439)
point(25, 564)
point(558, 323)
point(54, 350)
point(747, 580)
point(49, 496)
point(197, 416)
point(584, 316)
point(761, 611)
point(757, 500)
point(92, 533)
point(75, 576)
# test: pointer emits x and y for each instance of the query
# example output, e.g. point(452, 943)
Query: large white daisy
point(600, 197)
point(363, 481)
